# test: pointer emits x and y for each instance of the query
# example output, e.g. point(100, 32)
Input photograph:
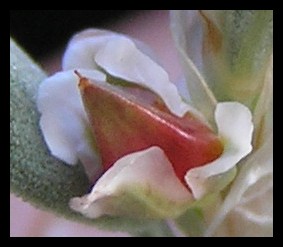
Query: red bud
point(122, 124)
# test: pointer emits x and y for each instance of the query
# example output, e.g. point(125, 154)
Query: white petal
point(126, 58)
point(186, 27)
point(84, 46)
point(186, 31)
point(182, 87)
point(159, 188)
point(63, 121)
point(249, 202)
point(121, 58)
point(235, 128)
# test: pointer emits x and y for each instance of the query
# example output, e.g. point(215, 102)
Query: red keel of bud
point(122, 125)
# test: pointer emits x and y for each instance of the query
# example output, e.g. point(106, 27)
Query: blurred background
point(45, 31)
point(44, 34)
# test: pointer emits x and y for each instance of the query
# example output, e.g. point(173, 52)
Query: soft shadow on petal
point(235, 128)
point(63, 121)
point(182, 22)
point(186, 28)
point(141, 184)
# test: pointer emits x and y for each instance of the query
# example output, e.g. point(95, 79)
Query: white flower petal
point(126, 58)
point(235, 127)
point(160, 192)
point(249, 202)
point(121, 58)
point(182, 87)
point(186, 28)
point(84, 46)
point(63, 121)
point(186, 34)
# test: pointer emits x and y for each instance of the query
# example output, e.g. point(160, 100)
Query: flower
point(143, 183)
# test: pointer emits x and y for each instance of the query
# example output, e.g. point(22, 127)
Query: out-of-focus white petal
point(235, 127)
point(121, 58)
point(249, 202)
point(186, 28)
point(255, 210)
point(142, 184)
point(63, 121)
point(181, 85)
point(186, 32)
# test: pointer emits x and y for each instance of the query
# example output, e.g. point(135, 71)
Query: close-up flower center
point(123, 138)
